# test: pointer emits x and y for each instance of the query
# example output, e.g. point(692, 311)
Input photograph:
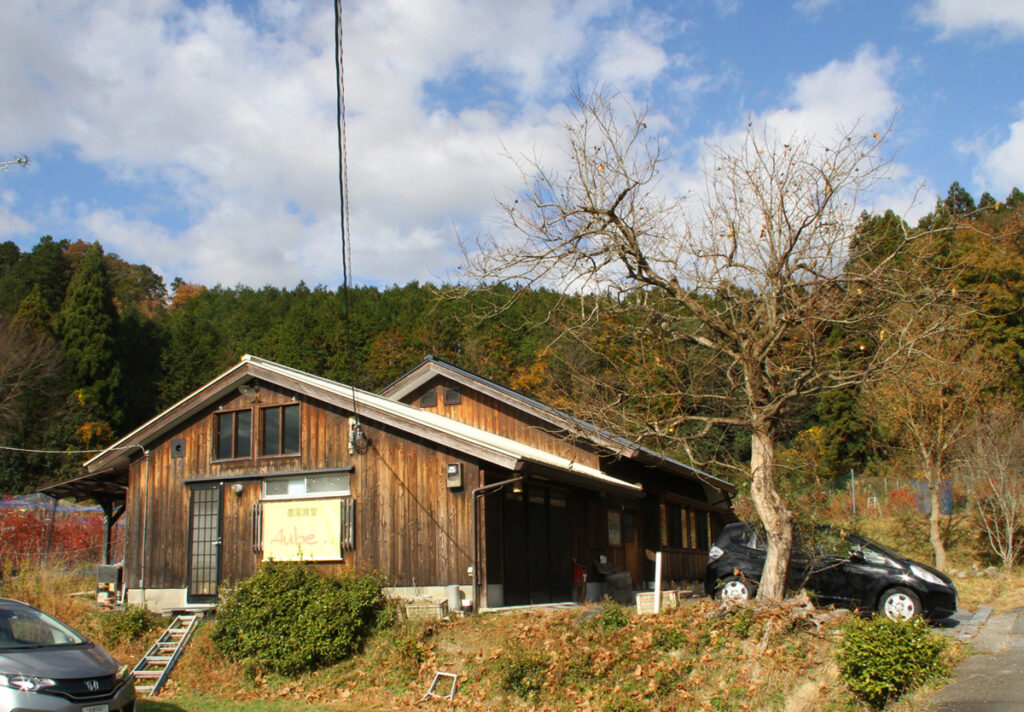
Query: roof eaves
point(500, 445)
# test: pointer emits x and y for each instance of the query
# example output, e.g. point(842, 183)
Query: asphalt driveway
point(993, 680)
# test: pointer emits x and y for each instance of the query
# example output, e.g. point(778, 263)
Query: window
point(683, 528)
point(429, 398)
point(320, 485)
point(233, 436)
point(672, 531)
point(614, 528)
point(629, 525)
point(452, 395)
point(279, 430)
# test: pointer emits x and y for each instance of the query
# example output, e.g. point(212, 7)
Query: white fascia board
point(500, 444)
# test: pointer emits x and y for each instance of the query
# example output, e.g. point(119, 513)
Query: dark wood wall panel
point(408, 523)
point(487, 413)
point(413, 525)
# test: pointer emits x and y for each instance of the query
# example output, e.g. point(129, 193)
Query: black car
point(837, 568)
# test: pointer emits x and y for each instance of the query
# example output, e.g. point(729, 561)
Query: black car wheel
point(899, 603)
point(735, 588)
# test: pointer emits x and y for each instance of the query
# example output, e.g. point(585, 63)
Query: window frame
point(306, 494)
point(281, 430)
point(233, 414)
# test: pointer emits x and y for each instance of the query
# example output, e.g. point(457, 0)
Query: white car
point(45, 666)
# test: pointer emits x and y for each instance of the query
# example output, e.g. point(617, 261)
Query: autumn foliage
point(29, 536)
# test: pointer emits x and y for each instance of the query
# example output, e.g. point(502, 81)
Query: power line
point(62, 452)
point(346, 244)
point(339, 68)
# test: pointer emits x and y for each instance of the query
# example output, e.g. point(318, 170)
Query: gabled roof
point(488, 447)
point(615, 445)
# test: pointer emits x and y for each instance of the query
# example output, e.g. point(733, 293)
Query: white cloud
point(840, 94)
point(1000, 167)
point(235, 118)
point(626, 58)
point(1005, 17)
point(11, 224)
point(727, 7)
point(813, 8)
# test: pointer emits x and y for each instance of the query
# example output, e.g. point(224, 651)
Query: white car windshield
point(23, 627)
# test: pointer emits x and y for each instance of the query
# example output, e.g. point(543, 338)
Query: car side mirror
point(857, 557)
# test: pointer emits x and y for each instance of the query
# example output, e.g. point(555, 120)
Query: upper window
point(452, 395)
point(279, 430)
point(429, 398)
point(233, 436)
point(327, 484)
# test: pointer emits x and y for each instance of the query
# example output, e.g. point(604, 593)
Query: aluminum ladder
point(157, 663)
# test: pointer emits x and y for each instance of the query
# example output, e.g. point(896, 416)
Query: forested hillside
point(92, 346)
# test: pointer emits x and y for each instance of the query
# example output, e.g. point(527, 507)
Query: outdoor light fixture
point(237, 488)
point(249, 390)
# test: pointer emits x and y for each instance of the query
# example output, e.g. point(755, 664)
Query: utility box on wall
point(454, 475)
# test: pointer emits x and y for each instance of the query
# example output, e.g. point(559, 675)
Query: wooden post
point(657, 582)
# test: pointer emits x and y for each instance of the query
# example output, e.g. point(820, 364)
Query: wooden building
point(444, 478)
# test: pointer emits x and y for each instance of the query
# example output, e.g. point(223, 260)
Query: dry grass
point(597, 658)
point(1002, 590)
point(50, 587)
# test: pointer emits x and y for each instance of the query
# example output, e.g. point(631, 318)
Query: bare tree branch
point(737, 300)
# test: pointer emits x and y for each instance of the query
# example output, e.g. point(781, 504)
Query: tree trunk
point(935, 531)
point(777, 519)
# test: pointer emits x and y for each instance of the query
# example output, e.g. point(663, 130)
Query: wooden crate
point(426, 610)
point(645, 601)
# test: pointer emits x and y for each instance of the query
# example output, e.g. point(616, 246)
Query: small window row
point(278, 432)
point(452, 396)
point(319, 485)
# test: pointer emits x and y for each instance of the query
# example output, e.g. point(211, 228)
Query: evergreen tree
point(46, 266)
point(86, 326)
point(32, 313)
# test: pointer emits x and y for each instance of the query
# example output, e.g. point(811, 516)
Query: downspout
point(145, 519)
point(479, 493)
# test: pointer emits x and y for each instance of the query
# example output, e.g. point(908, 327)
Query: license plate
point(96, 708)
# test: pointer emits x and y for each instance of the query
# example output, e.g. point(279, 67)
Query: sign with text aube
point(302, 530)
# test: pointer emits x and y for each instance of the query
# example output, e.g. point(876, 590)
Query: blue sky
point(198, 137)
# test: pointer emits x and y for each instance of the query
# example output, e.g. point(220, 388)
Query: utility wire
point(346, 244)
point(339, 67)
point(64, 452)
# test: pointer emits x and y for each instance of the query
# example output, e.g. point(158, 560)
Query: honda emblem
point(92, 685)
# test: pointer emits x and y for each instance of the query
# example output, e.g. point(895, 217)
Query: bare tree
point(29, 367)
point(993, 465)
point(928, 405)
point(757, 276)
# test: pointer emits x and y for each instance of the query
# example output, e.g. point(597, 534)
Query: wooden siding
point(494, 416)
point(408, 523)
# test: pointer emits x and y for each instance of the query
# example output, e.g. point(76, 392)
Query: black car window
point(831, 543)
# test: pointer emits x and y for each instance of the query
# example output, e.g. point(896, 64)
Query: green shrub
point(128, 625)
point(669, 639)
point(881, 658)
point(612, 616)
point(743, 620)
point(523, 673)
point(290, 619)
